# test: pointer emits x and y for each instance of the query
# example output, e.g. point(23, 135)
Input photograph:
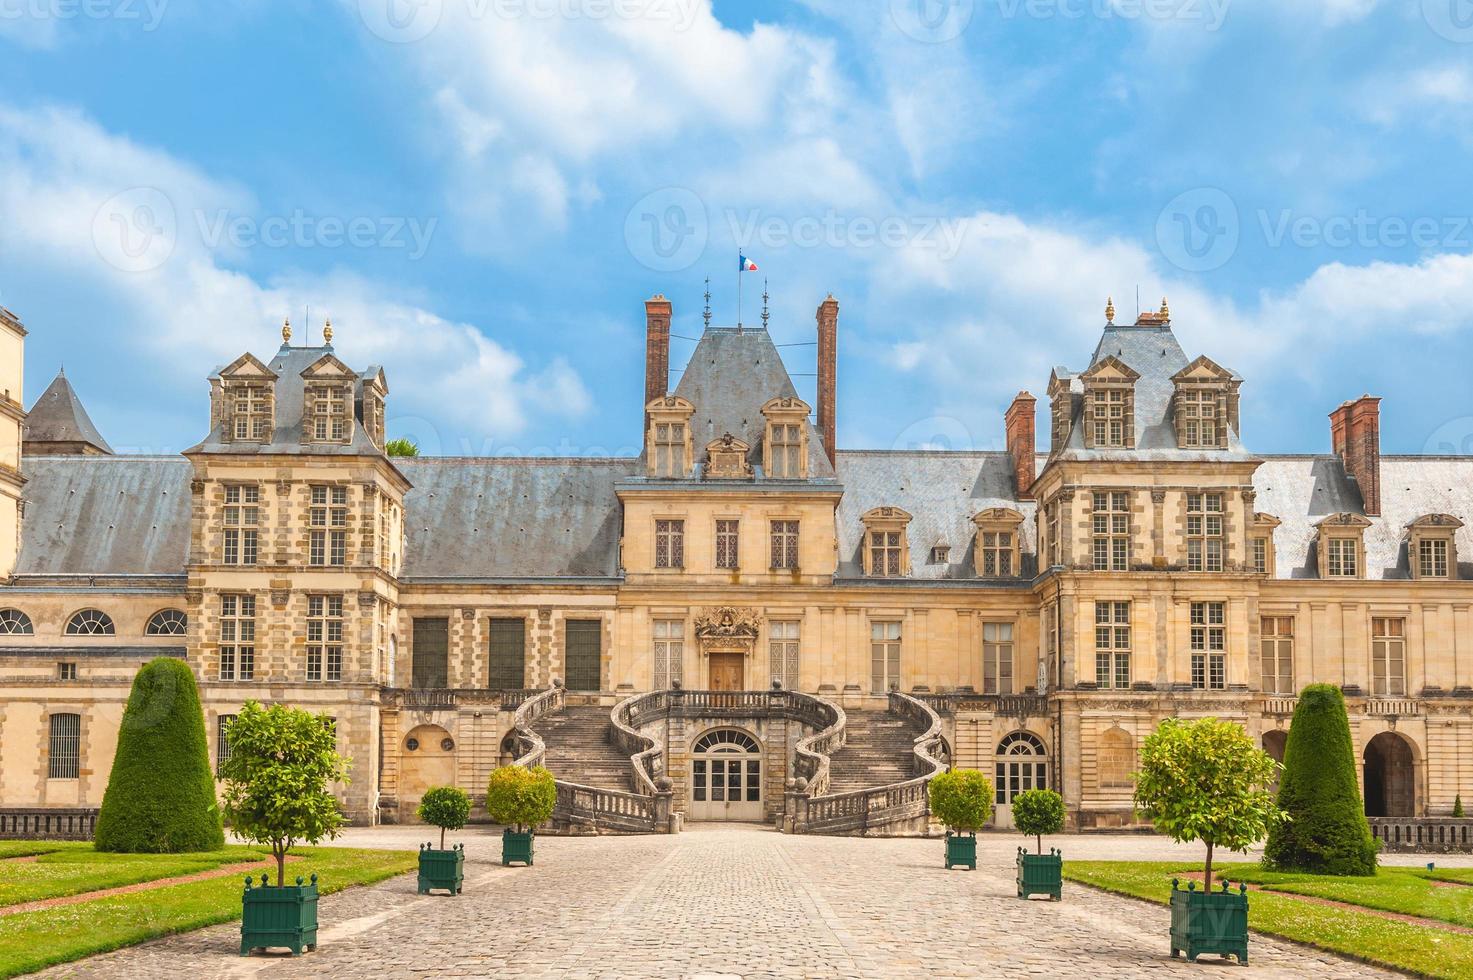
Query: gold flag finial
point(327, 331)
point(286, 330)
point(1165, 310)
point(1109, 309)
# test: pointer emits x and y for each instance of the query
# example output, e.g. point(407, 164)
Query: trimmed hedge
point(1326, 832)
point(160, 798)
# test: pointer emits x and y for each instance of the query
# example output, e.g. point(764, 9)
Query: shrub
point(281, 760)
point(160, 798)
point(1327, 832)
point(1037, 812)
point(1205, 780)
point(961, 799)
point(521, 798)
point(1458, 805)
point(446, 807)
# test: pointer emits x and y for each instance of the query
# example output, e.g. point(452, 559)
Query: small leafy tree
point(521, 798)
point(1037, 812)
point(446, 807)
point(281, 760)
point(1205, 780)
point(961, 799)
point(1458, 805)
point(401, 447)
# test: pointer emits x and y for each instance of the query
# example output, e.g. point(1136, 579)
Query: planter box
point(441, 869)
point(1209, 922)
point(1041, 874)
point(516, 847)
point(961, 850)
point(285, 916)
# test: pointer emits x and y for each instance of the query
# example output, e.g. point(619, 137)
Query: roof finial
point(764, 303)
point(1165, 310)
point(1110, 309)
point(327, 333)
point(286, 331)
point(707, 313)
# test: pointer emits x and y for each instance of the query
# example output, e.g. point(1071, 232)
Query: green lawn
point(30, 941)
point(25, 848)
point(75, 870)
point(1364, 935)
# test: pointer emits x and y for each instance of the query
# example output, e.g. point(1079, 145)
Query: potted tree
point(962, 800)
point(446, 807)
point(1037, 812)
point(281, 760)
point(519, 799)
point(1205, 781)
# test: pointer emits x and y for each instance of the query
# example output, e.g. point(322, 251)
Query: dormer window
point(250, 413)
point(997, 552)
point(726, 459)
point(785, 445)
point(1109, 417)
point(1432, 550)
point(668, 441)
point(1261, 544)
point(1109, 405)
point(1197, 414)
point(1205, 405)
point(1342, 546)
point(886, 550)
point(329, 414)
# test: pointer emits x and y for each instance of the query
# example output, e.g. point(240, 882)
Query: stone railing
point(1435, 834)
point(1019, 706)
point(1393, 707)
point(529, 747)
point(450, 698)
point(646, 758)
point(41, 823)
point(1280, 706)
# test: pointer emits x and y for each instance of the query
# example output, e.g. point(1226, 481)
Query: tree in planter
point(520, 798)
point(962, 800)
point(1037, 812)
point(161, 795)
point(1326, 832)
point(446, 807)
point(281, 760)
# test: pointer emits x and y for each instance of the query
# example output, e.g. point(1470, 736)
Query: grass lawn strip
point(27, 848)
point(77, 871)
point(242, 869)
point(1360, 934)
point(1403, 891)
point(31, 941)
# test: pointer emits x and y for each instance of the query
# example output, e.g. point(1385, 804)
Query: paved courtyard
point(718, 902)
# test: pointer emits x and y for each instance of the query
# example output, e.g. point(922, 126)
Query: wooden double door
point(728, 671)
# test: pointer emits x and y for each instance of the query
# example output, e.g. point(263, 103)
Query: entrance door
point(726, 777)
point(1021, 764)
point(726, 671)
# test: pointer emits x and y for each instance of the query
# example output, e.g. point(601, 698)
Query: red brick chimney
point(1355, 434)
point(1022, 445)
point(828, 350)
point(656, 350)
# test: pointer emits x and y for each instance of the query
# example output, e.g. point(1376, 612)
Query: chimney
point(828, 350)
point(1022, 444)
point(1355, 434)
point(656, 350)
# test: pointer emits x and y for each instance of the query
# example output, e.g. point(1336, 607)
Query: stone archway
point(1390, 772)
point(426, 758)
point(1275, 741)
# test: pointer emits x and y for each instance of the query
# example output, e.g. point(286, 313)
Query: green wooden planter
point(441, 869)
point(1041, 874)
point(285, 916)
point(961, 851)
point(1209, 922)
point(516, 847)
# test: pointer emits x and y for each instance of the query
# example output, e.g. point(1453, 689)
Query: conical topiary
point(160, 798)
point(1326, 832)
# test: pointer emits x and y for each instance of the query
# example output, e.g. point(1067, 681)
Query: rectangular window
point(1198, 419)
point(241, 518)
point(330, 415)
point(997, 658)
point(1209, 645)
point(782, 653)
point(884, 553)
point(1110, 417)
point(1432, 558)
point(430, 655)
point(669, 544)
point(727, 537)
point(884, 657)
point(786, 450)
point(669, 652)
point(222, 739)
point(1259, 551)
point(1055, 544)
point(1277, 641)
point(584, 653)
point(997, 554)
point(237, 637)
point(1204, 532)
point(508, 654)
point(784, 545)
point(670, 449)
point(1388, 658)
point(65, 757)
point(1112, 531)
point(325, 637)
point(329, 511)
point(1112, 644)
point(66, 671)
point(252, 421)
point(1342, 557)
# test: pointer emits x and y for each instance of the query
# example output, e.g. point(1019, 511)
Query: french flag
point(745, 264)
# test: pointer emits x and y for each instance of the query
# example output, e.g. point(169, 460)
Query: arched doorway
point(1021, 764)
point(1390, 777)
point(1275, 741)
point(726, 776)
point(427, 758)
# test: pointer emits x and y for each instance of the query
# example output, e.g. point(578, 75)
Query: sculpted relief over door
point(727, 636)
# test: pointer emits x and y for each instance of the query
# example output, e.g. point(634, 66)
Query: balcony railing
point(1001, 705)
point(1436, 834)
point(41, 823)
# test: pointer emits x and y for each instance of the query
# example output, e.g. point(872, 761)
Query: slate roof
point(514, 519)
point(58, 416)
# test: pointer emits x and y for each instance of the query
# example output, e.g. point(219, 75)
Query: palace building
point(745, 621)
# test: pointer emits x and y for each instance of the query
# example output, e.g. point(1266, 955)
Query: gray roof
point(527, 518)
point(58, 416)
point(105, 515)
point(941, 491)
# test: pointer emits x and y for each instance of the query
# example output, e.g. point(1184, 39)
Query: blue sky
point(481, 193)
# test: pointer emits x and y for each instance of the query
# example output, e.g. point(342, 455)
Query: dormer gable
point(1061, 388)
point(997, 547)
point(886, 549)
point(1341, 545)
point(243, 400)
point(328, 395)
point(1109, 404)
point(668, 445)
point(1204, 405)
point(726, 459)
point(1432, 546)
point(785, 439)
point(373, 393)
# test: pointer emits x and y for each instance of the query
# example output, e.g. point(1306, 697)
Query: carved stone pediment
point(728, 625)
point(726, 459)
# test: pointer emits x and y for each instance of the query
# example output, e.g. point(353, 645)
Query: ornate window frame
point(885, 520)
point(726, 459)
point(665, 413)
point(1262, 529)
point(785, 416)
point(1205, 392)
point(997, 520)
point(1437, 534)
point(1341, 528)
point(243, 401)
point(1109, 382)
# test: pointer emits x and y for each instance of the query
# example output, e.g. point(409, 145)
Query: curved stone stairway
point(877, 751)
point(579, 750)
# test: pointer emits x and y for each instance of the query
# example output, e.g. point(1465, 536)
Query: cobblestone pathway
point(717, 904)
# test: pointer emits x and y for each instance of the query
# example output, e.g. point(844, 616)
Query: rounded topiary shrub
point(1326, 832)
point(961, 799)
point(521, 798)
point(160, 798)
point(446, 807)
point(1037, 812)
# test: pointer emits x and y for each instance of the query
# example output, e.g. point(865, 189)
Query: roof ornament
point(1110, 310)
point(764, 304)
point(1165, 310)
point(707, 312)
point(327, 333)
point(286, 331)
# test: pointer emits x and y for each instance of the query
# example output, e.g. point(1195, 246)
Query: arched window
point(13, 622)
point(90, 622)
point(168, 622)
point(1020, 765)
point(1116, 759)
point(726, 776)
point(726, 740)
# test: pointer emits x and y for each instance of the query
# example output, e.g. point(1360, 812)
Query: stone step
point(877, 751)
point(579, 750)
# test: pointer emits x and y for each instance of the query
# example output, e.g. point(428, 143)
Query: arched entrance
point(427, 758)
point(1275, 741)
point(1390, 777)
point(726, 776)
point(1021, 764)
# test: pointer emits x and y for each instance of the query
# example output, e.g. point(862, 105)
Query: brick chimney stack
point(828, 352)
point(1355, 434)
point(1019, 423)
point(656, 349)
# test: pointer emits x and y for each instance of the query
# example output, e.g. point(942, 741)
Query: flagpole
point(741, 268)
